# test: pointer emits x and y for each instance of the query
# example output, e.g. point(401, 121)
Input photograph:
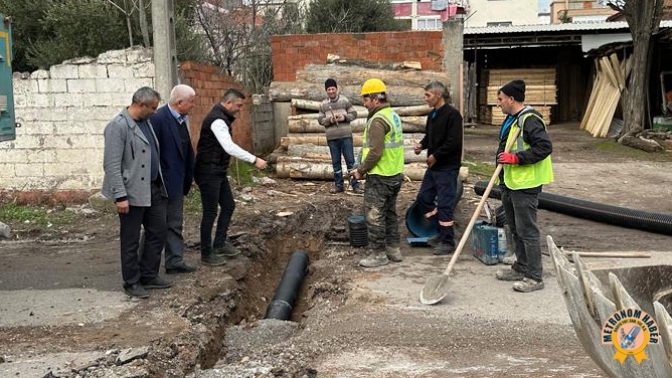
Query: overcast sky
point(544, 5)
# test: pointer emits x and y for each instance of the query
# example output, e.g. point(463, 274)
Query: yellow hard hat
point(372, 86)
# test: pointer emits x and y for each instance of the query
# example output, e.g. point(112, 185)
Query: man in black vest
point(177, 163)
point(215, 148)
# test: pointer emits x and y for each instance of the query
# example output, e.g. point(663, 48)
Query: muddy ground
point(63, 313)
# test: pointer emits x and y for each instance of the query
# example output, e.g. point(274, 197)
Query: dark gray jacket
point(127, 161)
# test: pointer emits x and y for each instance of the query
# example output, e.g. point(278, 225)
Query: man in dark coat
point(177, 161)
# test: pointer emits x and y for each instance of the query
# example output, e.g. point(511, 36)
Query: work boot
point(227, 250)
point(213, 260)
point(336, 190)
point(375, 259)
point(527, 285)
point(393, 254)
point(443, 249)
point(433, 241)
point(136, 290)
point(358, 190)
point(157, 283)
point(509, 275)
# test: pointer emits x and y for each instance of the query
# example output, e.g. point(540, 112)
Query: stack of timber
point(540, 91)
point(608, 84)
point(304, 153)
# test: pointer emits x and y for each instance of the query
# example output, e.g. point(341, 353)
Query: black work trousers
point(143, 267)
point(215, 191)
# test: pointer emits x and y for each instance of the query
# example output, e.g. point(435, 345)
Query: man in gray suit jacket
point(133, 180)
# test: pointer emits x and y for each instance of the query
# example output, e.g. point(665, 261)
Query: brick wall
point(292, 52)
point(210, 84)
point(64, 110)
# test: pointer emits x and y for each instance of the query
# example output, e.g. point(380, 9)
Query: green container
point(662, 123)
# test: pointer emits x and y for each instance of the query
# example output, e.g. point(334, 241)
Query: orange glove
point(507, 158)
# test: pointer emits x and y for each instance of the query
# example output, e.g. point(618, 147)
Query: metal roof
point(571, 27)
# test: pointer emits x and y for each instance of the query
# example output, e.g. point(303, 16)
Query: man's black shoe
point(157, 283)
point(213, 260)
point(136, 290)
point(182, 268)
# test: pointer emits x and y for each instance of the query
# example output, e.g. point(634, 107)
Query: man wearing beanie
point(336, 113)
point(527, 167)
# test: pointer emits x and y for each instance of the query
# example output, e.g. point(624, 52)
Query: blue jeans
point(440, 185)
point(338, 147)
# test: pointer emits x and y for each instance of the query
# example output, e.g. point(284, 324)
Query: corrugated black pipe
point(281, 306)
point(619, 216)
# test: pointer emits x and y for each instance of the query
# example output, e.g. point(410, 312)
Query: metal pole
point(165, 53)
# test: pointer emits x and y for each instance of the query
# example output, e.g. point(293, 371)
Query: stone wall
point(263, 125)
point(63, 111)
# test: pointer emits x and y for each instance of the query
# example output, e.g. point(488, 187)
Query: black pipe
point(281, 306)
point(619, 216)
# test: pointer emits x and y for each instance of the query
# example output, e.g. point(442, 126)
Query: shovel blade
point(435, 289)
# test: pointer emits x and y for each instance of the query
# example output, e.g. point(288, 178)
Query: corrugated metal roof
point(588, 26)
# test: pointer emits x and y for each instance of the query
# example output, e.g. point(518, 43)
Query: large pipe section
point(619, 216)
point(283, 301)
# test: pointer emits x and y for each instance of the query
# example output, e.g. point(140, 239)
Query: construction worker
point(383, 165)
point(443, 141)
point(526, 168)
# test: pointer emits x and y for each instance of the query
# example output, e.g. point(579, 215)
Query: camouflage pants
point(380, 210)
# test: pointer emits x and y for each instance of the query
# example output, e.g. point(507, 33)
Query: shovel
point(436, 287)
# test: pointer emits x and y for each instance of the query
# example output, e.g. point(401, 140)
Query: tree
point(346, 16)
point(643, 18)
point(75, 28)
point(26, 27)
point(239, 35)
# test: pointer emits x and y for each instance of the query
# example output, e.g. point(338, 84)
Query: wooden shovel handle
point(479, 208)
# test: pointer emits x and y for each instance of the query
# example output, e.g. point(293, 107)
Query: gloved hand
point(507, 158)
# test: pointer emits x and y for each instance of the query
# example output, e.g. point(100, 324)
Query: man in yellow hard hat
point(383, 164)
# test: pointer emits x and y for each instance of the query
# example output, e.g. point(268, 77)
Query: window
point(500, 23)
point(429, 24)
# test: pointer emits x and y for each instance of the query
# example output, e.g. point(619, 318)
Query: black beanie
point(330, 83)
point(515, 89)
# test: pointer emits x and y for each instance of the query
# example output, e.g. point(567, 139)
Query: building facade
point(578, 11)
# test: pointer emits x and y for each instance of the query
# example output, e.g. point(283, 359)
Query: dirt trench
point(268, 243)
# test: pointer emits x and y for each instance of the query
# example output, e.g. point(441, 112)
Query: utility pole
point(165, 52)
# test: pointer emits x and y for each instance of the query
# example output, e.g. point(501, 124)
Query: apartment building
point(579, 11)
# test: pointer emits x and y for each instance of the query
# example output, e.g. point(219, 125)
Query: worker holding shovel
point(527, 167)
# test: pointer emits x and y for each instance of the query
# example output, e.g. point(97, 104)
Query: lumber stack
point(304, 154)
point(608, 84)
point(540, 91)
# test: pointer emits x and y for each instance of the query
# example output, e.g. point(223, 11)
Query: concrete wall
point(64, 110)
point(518, 12)
point(293, 52)
point(263, 125)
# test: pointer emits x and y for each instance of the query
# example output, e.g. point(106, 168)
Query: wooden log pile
point(304, 154)
point(608, 84)
point(540, 92)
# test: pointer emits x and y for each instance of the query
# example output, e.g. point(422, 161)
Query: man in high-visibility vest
point(527, 167)
point(383, 164)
